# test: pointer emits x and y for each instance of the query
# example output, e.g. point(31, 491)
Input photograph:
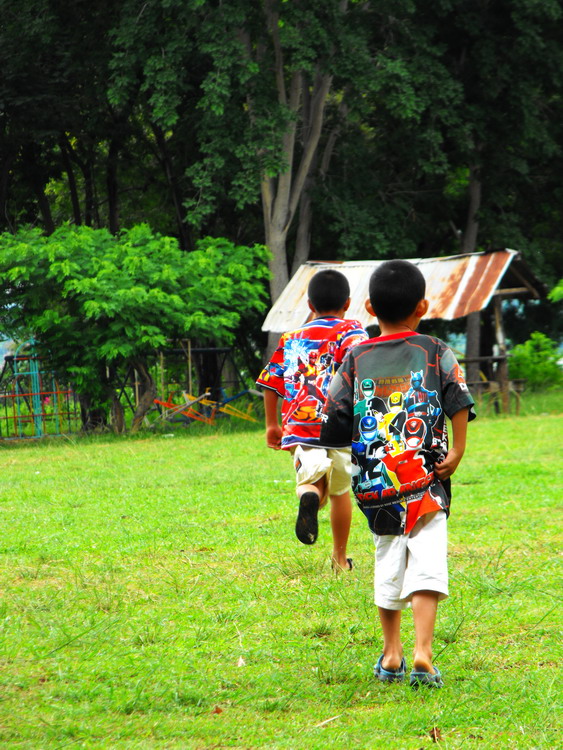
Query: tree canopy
point(342, 129)
point(99, 303)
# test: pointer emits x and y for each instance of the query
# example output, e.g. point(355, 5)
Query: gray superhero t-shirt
point(389, 401)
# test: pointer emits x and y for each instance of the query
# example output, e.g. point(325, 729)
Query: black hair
point(328, 291)
point(395, 289)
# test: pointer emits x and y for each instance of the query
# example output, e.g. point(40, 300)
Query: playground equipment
point(177, 404)
point(202, 409)
point(33, 403)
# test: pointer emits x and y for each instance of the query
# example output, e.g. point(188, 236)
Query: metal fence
point(33, 402)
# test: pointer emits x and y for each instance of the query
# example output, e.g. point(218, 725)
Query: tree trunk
point(469, 244)
point(4, 180)
point(66, 149)
point(303, 239)
point(275, 239)
point(209, 371)
point(92, 417)
point(184, 235)
point(117, 415)
point(35, 179)
point(279, 279)
point(305, 99)
point(90, 211)
point(111, 184)
point(147, 394)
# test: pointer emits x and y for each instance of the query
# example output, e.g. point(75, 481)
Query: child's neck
point(405, 326)
point(333, 314)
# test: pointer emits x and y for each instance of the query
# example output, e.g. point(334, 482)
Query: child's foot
point(388, 674)
point(424, 672)
point(431, 678)
point(337, 567)
point(306, 526)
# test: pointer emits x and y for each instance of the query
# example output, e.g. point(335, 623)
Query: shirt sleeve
point(338, 412)
point(272, 376)
point(455, 392)
point(354, 335)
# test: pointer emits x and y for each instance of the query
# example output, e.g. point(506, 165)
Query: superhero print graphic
point(420, 402)
point(308, 367)
point(300, 372)
point(395, 444)
point(390, 400)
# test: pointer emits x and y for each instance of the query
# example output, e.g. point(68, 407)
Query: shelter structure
point(456, 286)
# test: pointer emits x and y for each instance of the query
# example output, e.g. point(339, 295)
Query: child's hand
point(446, 468)
point(274, 436)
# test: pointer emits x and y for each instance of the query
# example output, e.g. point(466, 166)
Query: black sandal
point(307, 525)
point(337, 568)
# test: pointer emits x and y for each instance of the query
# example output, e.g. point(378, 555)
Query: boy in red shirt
point(299, 373)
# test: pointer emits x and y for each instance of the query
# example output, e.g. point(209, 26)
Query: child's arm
point(446, 468)
point(273, 429)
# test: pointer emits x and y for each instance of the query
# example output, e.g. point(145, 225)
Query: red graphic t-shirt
point(300, 372)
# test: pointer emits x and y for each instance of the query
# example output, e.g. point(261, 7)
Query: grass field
point(153, 596)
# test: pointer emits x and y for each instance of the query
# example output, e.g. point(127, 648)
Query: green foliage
point(169, 112)
point(536, 361)
point(97, 302)
point(556, 293)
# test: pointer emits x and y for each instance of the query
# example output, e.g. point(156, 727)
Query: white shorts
point(311, 464)
point(412, 562)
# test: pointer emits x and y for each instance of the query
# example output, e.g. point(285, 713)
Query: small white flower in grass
point(241, 662)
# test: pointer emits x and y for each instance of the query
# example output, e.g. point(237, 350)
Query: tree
point(344, 128)
point(266, 72)
point(99, 304)
point(504, 127)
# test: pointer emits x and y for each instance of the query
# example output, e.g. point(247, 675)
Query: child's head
point(395, 289)
point(328, 291)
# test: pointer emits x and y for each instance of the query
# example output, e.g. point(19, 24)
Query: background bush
point(536, 361)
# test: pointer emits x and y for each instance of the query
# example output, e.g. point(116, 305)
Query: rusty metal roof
point(455, 286)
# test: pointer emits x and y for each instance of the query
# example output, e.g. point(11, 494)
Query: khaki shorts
point(412, 562)
point(312, 464)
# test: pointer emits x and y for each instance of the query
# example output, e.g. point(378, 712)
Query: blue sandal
point(390, 675)
point(429, 679)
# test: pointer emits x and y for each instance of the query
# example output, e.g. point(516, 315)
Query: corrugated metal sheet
point(455, 286)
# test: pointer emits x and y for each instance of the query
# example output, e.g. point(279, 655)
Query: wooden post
point(162, 376)
point(503, 363)
point(190, 366)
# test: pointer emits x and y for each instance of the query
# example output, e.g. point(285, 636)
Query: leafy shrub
point(536, 361)
point(99, 305)
point(556, 294)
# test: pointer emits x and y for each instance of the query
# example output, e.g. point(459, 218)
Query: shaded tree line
point(341, 129)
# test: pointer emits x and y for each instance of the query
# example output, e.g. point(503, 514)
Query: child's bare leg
point(390, 620)
point(424, 607)
point(340, 521)
point(319, 487)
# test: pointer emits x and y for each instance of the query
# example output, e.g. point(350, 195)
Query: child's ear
point(421, 308)
point(369, 308)
point(311, 308)
point(347, 304)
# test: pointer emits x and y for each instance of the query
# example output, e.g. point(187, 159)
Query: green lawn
point(153, 596)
